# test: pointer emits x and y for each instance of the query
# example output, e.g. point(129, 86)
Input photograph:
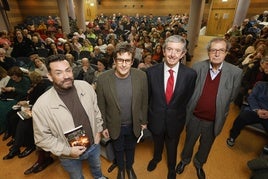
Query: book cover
point(24, 114)
point(77, 137)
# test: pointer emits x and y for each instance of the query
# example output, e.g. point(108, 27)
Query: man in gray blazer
point(217, 84)
point(122, 95)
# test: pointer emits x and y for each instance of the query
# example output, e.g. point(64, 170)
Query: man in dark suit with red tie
point(170, 86)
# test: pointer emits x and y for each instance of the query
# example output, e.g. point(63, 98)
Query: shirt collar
point(219, 69)
point(175, 68)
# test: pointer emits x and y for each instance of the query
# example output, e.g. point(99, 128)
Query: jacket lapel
point(112, 87)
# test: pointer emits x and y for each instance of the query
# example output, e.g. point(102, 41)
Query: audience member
point(22, 45)
point(21, 130)
point(85, 71)
point(40, 67)
point(4, 78)
point(146, 62)
point(258, 72)
point(255, 112)
point(15, 90)
point(6, 62)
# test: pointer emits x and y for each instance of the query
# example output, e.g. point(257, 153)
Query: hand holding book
point(77, 137)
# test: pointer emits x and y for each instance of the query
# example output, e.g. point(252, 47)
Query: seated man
point(85, 71)
point(255, 112)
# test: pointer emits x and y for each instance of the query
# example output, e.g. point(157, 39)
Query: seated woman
point(158, 54)
point(15, 90)
point(22, 130)
point(146, 61)
point(40, 67)
point(68, 49)
point(87, 46)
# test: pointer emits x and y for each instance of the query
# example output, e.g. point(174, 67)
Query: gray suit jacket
point(230, 82)
point(109, 106)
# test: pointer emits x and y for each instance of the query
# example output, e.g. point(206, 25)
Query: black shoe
point(112, 167)
point(180, 167)
point(11, 142)
point(11, 154)
point(230, 142)
point(32, 168)
point(44, 165)
point(152, 165)
point(200, 173)
point(26, 152)
point(131, 174)
point(6, 136)
point(121, 174)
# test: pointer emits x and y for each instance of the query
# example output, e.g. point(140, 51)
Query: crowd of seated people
point(249, 51)
point(248, 46)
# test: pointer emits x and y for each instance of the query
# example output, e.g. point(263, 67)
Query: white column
point(194, 24)
point(80, 14)
point(62, 5)
point(71, 8)
point(241, 11)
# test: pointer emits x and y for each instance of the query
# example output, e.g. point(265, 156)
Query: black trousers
point(21, 130)
point(124, 148)
point(171, 148)
point(244, 118)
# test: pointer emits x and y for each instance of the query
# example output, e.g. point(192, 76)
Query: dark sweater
point(206, 106)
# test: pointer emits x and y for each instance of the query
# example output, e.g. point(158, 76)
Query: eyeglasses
point(121, 61)
point(214, 51)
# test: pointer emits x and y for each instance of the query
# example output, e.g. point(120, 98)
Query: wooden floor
point(223, 162)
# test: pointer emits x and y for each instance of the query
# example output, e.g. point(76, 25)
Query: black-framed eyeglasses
point(121, 61)
point(221, 51)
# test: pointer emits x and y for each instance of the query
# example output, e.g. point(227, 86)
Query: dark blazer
point(109, 106)
point(230, 82)
point(173, 115)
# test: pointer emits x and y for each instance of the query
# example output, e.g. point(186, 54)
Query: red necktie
point(170, 84)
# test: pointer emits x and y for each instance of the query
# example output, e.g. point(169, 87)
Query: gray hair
point(175, 39)
point(218, 39)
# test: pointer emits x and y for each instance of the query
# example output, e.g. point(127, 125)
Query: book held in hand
point(24, 114)
point(77, 137)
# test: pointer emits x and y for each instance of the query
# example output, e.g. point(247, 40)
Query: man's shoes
point(6, 136)
point(38, 167)
point(27, 152)
point(180, 167)
point(32, 168)
point(230, 142)
point(121, 174)
point(11, 142)
point(152, 165)
point(44, 165)
point(131, 174)
point(11, 154)
point(200, 173)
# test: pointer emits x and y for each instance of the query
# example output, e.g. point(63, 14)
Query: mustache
point(67, 79)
